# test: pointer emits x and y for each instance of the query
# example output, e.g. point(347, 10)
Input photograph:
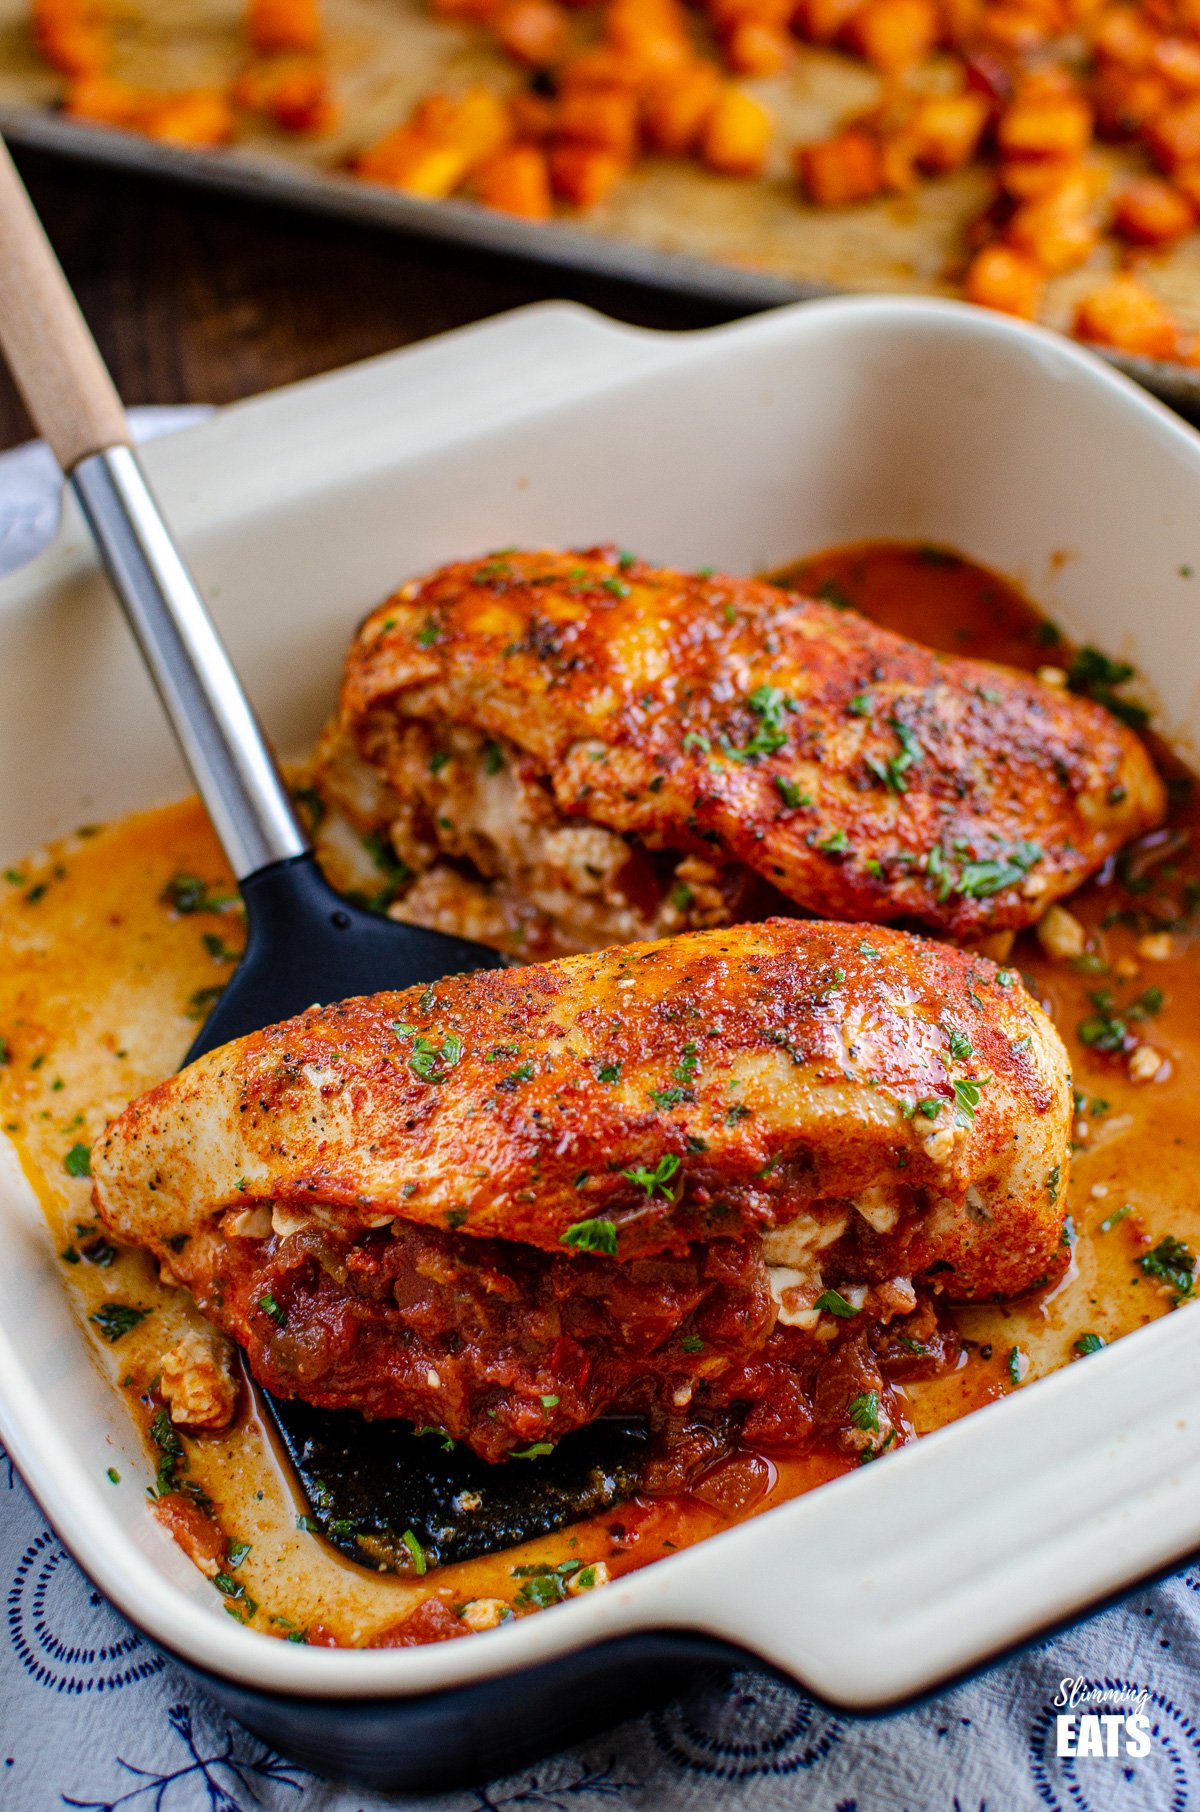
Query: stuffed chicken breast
point(559, 751)
point(725, 1173)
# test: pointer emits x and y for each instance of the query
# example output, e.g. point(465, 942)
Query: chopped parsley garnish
point(428, 634)
point(78, 1161)
point(960, 1045)
point(172, 1455)
point(498, 1051)
point(692, 1343)
point(831, 592)
point(695, 740)
point(1116, 1217)
point(835, 844)
point(834, 1303)
point(891, 773)
point(1088, 1343)
point(1052, 1182)
point(1016, 1364)
point(768, 704)
point(1006, 978)
point(790, 793)
point(688, 1064)
point(116, 1319)
point(665, 1098)
point(609, 1072)
point(658, 1178)
point(864, 1411)
point(979, 880)
point(438, 760)
point(1096, 676)
point(493, 758)
point(968, 1092)
point(218, 949)
point(860, 705)
point(113, 1476)
point(1172, 1263)
point(187, 893)
point(201, 1003)
point(533, 1452)
point(269, 1306)
point(430, 1062)
point(516, 1077)
point(1105, 1029)
point(867, 950)
point(236, 1554)
point(593, 1236)
point(416, 1551)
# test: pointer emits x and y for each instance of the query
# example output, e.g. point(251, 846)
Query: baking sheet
point(669, 223)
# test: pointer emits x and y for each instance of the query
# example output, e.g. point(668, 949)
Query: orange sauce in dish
point(108, 961)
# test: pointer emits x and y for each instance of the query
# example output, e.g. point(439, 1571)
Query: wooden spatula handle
point(53, 358)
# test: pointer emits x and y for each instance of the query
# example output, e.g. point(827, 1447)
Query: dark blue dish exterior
point(466, 1735)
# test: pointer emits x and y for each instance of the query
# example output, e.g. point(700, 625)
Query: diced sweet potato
point(1006, 280)
point(103, 99)
point(824, 20)
point(1177, 60)
point(198, 116)
point(532, 31)
point(1045, 128)
point(273, 25)
point(1152, 212)
point(841, 170)
point(604, 117)
point(946, 129)
point(585, 175)
point(478, 120)
point(516, 181)
point(603, 68)
point(756, 48)
point(1126, 102)
point(1174, 135)
point(736, 133)
point(1034, 176)
point(415, 162)
point(894, 34)
point(1126, 315)
point(73, 35)
point(675, 108)
point(1057, 230)
point(293, 91)
point(1014, 31)
point(1123, 35)
point(533, 116)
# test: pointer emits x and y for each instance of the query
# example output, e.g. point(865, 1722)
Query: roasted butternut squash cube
point(516, 181)
point(757, 48)
point(1050, 127)
point(675, 108)
point(1126, 315)
point(736, 133)
point(894, 34)
point(585, 175)
point(1152, 212)
point(999, 277)
point(604, 117)
point(841, 170)
point(1174, 135)
point(947, 128)
point(532, 31)
point(274, 25)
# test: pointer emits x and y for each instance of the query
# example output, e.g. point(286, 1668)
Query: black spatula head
point(371, 1484)
point(368, 1482)
point(306, 945)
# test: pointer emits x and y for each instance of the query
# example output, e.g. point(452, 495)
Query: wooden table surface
point(200, 297)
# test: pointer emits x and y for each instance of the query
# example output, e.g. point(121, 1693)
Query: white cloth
point(91, 1716)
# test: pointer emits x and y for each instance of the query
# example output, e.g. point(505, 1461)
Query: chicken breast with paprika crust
point(729, 1171)
point(560, 751)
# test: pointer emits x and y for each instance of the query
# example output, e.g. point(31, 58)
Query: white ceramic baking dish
point(740, 447)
